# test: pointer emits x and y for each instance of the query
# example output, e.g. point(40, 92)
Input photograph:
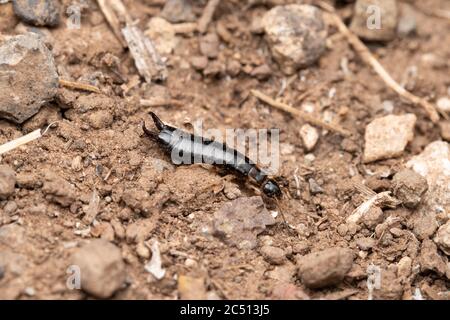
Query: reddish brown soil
point(84, 156)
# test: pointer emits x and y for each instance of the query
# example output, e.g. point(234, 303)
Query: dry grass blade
point(368, 58)
point(298, 113)
point(382, 199)
point(11, 145)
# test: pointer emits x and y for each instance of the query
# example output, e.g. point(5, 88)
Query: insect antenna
point(285, 223)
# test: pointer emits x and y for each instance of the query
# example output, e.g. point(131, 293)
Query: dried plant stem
point(20, 141)
point(78, 86)
point(116, 15)
point(207, 15)
point(160, 102)
point(368, 58)
point(187, 27)
point(298, 113)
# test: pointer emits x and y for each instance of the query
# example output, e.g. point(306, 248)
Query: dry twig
point(116, 15)
point(160, 102)
point(78, 86)
point(207, 15)
point(298, 113)
point(368, 58)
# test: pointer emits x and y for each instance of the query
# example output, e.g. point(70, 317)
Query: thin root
point(308, 118)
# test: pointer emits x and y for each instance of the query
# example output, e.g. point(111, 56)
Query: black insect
point(195, 149)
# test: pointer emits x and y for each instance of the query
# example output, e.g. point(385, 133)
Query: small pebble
point(102, 268)
point(10, 207)
point(375, 20)
point(443, 104)
point(365, 244)
point(262, 72)
point(273, 255)
point(142, 251)
point(442, 238)
point(325, 268)
point(209, 45)
point(296, 35)
point(387, 137)
point(309, 136)
point(38, 13)
point(314, 187)
point(7, 181)
point(409, 187)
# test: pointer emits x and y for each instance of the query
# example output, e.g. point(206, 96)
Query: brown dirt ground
point(119, 150)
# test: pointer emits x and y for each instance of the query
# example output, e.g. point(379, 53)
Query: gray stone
point(296, 35)
point(178, 11)
point(38, 13)
point(28, 77)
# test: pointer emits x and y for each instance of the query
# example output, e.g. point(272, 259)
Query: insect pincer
point(158, 123)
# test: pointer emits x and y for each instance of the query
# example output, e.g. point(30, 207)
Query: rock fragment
point(375, 20)
point(442, 238)
point(176, 11)
point(29, 78)
point(7, 18)
point(388, 136)
point(58, 190)
point(199, 63)
point(209, 45)
point(314, 187)
point(162, 34)
point(102, 268)
point(434, 164)
point(424, 225)
point(325, 268)
point(443, 104)
point(239, 221)
point(409, 187)
point(190, 288)
point(445, 129)
point(261, 72)
point(100, 119)
point(390, 287)
point(38, 13)
point(404, 267)
point(429, 258)
point(309, 136)
point(7, 181)
point(373, 217)
point(407, 23)
point(273, 254)
point(296, 35)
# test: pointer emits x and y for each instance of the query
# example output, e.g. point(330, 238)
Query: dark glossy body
point(195, 149)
